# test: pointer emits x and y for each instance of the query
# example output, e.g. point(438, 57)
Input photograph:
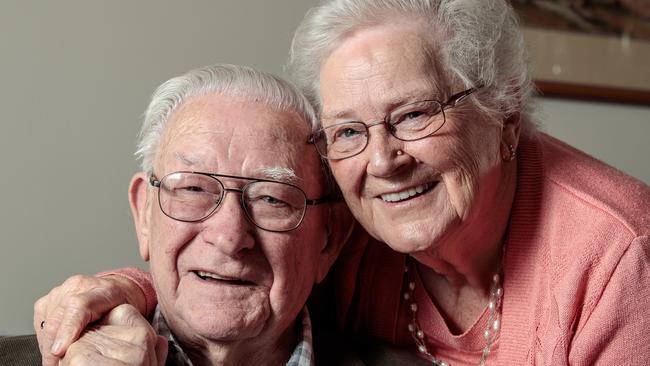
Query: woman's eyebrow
point(411, 96)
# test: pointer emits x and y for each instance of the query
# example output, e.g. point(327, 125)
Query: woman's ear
point(340, 224)
point(139, 201)
point(511, 130)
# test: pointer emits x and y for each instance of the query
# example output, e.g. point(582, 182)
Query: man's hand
point(122, 337)
point(61, 315)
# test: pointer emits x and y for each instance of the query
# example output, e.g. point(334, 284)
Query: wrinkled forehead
point(388, 63)
point(226, 135)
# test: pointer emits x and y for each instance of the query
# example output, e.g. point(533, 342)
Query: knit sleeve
point(615, 332)
point(141, 279)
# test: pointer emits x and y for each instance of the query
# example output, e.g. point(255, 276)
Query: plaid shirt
point(303, 354)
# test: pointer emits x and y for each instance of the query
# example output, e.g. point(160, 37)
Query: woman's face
point(415, 195)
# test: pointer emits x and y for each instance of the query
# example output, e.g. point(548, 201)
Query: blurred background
point(75, 77)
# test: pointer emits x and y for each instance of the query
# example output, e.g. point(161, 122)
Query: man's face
point(252, 283)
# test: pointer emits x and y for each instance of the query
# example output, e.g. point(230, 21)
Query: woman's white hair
point(476, 42)
point(232, 80)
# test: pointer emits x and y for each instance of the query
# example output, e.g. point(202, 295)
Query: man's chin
point(228, 323)
point(220, 333)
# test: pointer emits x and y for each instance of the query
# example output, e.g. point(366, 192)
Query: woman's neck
point(458, 274)
point(459, 298)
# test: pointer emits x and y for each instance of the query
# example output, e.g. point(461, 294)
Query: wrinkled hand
point(80, 300)
point(122, 337)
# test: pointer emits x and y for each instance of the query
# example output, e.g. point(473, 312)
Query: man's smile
point(213, 277)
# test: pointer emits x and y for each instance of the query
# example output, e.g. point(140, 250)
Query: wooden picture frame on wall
point(572, 58)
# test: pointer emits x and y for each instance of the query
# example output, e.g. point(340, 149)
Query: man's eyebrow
point(335, 115)
point(281, 174)
point(185, 160)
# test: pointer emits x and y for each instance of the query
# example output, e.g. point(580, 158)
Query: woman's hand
point(61, 315)
point(122, 337)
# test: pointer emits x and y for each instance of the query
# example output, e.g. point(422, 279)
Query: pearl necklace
point(492, 328)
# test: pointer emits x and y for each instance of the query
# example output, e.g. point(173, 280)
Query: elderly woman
point(484, 241)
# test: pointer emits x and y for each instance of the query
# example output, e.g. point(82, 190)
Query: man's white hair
point(232, 80)
point(476, 42)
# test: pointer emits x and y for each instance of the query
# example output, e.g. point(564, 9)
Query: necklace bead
point(493, 325)
point(496, 325)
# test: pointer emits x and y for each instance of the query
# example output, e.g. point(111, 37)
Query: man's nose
point(228, 228)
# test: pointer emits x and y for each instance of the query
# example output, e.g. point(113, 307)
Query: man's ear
point(339, 227)
point(138, 199)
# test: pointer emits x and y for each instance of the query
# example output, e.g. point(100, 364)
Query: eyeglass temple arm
point(458, 97)
point(319, 201)
point(153, 181)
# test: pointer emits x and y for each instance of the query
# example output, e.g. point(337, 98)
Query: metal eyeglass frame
point(308, 202)
point(450, 103)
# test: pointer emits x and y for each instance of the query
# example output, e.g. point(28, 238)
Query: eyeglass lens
point(273, 206)
point(409, 122)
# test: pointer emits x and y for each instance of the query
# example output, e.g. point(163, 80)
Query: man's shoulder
point(19, 350)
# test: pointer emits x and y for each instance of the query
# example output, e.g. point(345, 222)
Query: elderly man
point(232, 212)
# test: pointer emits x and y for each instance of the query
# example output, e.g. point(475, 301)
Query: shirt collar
point(302, 355)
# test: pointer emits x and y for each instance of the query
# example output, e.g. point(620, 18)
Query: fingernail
point(56, 347)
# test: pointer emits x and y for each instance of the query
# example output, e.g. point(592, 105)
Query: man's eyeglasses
point(268, 204)
point(409, 122)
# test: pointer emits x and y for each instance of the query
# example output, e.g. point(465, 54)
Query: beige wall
point(75, 77)
point(615, 133)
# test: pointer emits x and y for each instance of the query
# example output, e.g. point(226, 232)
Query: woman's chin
point(412, 240)
point(416, 230)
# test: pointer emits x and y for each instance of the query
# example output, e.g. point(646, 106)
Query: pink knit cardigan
point(576, 272)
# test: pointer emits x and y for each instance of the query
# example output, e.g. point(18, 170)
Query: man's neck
point(244, 353)
point(267, 350)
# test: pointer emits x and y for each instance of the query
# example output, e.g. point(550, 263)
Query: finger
point(119, 344)
point(140, 332)
point(161, 350)
point(78, 311)
point(39, 313)
point(125, 315)
point(95, 359)
point(130, 344)
point(45, 335)
point(87, 352)
point(48, 313)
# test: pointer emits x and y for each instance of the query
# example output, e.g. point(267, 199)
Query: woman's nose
point(385, 152)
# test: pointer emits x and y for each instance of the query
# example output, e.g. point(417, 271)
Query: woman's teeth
point(408, 193)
